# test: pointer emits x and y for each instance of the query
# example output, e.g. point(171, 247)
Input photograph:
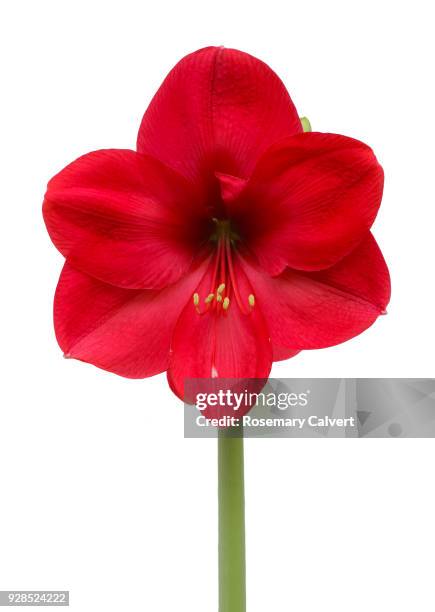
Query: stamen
point(216, 264)
point(233, 278)
point(224, 278)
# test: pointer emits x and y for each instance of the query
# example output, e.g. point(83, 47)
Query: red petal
point(124, 218)
point(311, 200)
point(230, 186)
point(319, 309)
point(218, 109)
point(216, 345)
point(125, 331)
point(280, 353)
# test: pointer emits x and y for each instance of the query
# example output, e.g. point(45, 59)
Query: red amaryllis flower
point(230, 239)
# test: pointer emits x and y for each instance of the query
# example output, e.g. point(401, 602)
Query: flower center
point(224, 286)
point(223, 229)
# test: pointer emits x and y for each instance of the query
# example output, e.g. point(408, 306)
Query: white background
point(99, 492)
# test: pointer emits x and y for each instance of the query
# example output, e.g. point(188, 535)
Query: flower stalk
point(232, 567)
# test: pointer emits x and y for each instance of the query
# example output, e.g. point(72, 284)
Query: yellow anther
point(209, 298)
point(195, 299)
point(226, 303)
point(251, 300)
point(221, 288)
point(218, 298)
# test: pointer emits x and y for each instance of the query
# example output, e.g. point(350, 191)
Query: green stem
point(232, 573)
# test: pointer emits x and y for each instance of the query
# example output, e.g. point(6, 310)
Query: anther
point(226, 303)
point(251, 300)
point(221, 288)
point(195, 299)
point(218, 298)
point(209, 298)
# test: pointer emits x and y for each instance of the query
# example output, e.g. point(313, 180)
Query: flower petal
point(125, 331)
point(218, 109)
point(280, 353)
point(229, 345)
point(230, 187)
point(310, 201)
point(314, 310)
point(124, 218)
